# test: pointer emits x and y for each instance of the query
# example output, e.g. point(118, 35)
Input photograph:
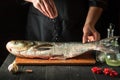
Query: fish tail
point(108, 45)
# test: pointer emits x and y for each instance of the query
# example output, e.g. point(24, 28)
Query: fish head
point(18, 45)
point(109, 45)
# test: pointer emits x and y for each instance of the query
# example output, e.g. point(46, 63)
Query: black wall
point(12, 23)
point(113, 15)
point(110, 15)
point(13, 18)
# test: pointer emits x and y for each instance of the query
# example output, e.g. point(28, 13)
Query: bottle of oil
point(113, 59)
point(101, 56)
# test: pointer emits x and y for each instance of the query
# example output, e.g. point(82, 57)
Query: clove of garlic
point(13, 68)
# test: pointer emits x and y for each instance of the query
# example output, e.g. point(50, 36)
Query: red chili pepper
point(106, 71)
point(111, 72)
point(96, 70)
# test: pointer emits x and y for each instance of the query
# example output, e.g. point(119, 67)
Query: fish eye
point(15, 42)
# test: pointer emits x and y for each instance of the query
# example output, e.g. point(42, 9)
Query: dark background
point(13, 17)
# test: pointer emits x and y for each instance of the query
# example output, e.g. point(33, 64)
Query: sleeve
point(22, 2)
point(99, 3)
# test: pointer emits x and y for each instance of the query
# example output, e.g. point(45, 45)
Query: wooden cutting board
point(84, 59)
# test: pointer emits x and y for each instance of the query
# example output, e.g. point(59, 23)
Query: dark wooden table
point(55, 72)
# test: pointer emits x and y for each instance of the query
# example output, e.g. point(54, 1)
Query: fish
point(59, 50)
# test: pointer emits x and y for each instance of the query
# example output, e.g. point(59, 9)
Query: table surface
point(55, 72)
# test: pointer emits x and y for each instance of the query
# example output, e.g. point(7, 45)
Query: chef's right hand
point(47, 7)
point(90, 34)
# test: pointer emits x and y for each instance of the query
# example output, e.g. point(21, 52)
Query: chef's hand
point(47, 7)
point(90, 34)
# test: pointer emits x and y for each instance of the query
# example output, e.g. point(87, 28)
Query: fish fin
point(43, 47)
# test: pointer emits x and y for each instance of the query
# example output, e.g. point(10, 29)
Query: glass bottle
point(113, 59)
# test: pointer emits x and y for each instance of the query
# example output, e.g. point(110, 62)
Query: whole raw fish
point(58, 50)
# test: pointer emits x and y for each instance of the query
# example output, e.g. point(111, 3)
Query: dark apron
point(66, 27)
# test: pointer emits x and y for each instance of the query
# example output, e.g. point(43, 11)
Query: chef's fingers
point(84, 38)
point(50, 8)
point(96, 36)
